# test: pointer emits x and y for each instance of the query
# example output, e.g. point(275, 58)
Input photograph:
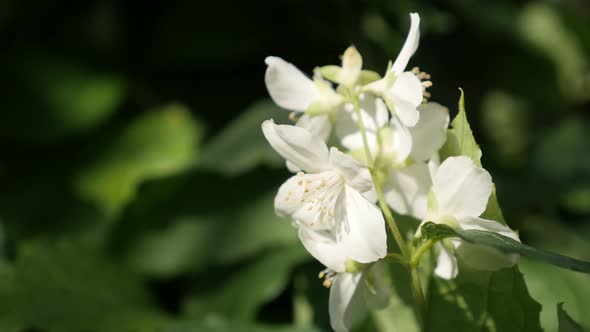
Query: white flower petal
point(318, 125)
point(347, 303)
point(467, 223)
point(405, 95)
point(446, 264)
point(374, 115)
point(362, 231)
point(288, 86)
point(402, 141)
point(406, 190)
point(355, 174)
point(410, 45)
point(311, 199)
point(292, 167)
point(347, 130)
point(430, 133)
point(322, 245)
point(297, 145)
point(461, 188)
point(482, 257)
point(407, 113)
point(376, 111)
point(433, 167)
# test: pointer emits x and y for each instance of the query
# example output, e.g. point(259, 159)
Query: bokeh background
point(136, 188)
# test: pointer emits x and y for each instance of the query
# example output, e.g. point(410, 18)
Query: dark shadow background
point(136, 189)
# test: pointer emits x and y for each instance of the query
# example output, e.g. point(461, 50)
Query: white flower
point(336, 221)
point(403, 90)
point(291, 89)
point(353, 294)
point(401, 151)
point(407, 186)
point(384, 139)
point(459, 195)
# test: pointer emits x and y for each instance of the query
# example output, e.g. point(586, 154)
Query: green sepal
point(331, 73)
point(368, 76)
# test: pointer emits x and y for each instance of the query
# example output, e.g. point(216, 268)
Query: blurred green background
point(136, 188)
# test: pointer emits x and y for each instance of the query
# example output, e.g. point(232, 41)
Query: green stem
point(405, 254)
point(419, 295)
point(389, 218)
point(398, 258)
point(381, 198)
point(415, 260)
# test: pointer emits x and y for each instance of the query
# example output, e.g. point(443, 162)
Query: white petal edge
point(430, 133)
point(347, 304)
point(461, 188)
point(446, 264)
point(402, 141)
point(297, 145)
point(355, 174)
point(406, 190)
point(362, 231)
point(406, 95)
point(410, 45)
point(288, 86)
point(318, 125)
point(323, 247)
point(374, 115)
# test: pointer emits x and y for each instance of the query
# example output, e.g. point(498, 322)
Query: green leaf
point(159, 143)
point(478, 300)
point(186, 243)
point(9, 321)
point(504, 244)
point(566, 323)
point(400, 315)
point(460, 141)
point(63, 287)
point(256, 227)
point(241, 145)
point(50, 97)
point(540, 26)
point(551, 285)
point(482, 301)
point(180, 247)
point(562, 155)
point(241, 295)
point(437, 232)
point(218, 324)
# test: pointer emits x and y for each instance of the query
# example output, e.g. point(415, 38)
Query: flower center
point(318, 200)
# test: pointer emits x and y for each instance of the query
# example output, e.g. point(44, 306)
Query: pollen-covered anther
point(424, 78)
point(328, 276)
point(293, 116)
point(422, 75)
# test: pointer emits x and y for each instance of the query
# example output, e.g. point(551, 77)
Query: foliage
point(136, 187)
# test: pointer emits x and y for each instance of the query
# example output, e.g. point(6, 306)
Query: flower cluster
point(385, 139)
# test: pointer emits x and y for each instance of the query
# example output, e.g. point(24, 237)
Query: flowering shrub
point(365, 146)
